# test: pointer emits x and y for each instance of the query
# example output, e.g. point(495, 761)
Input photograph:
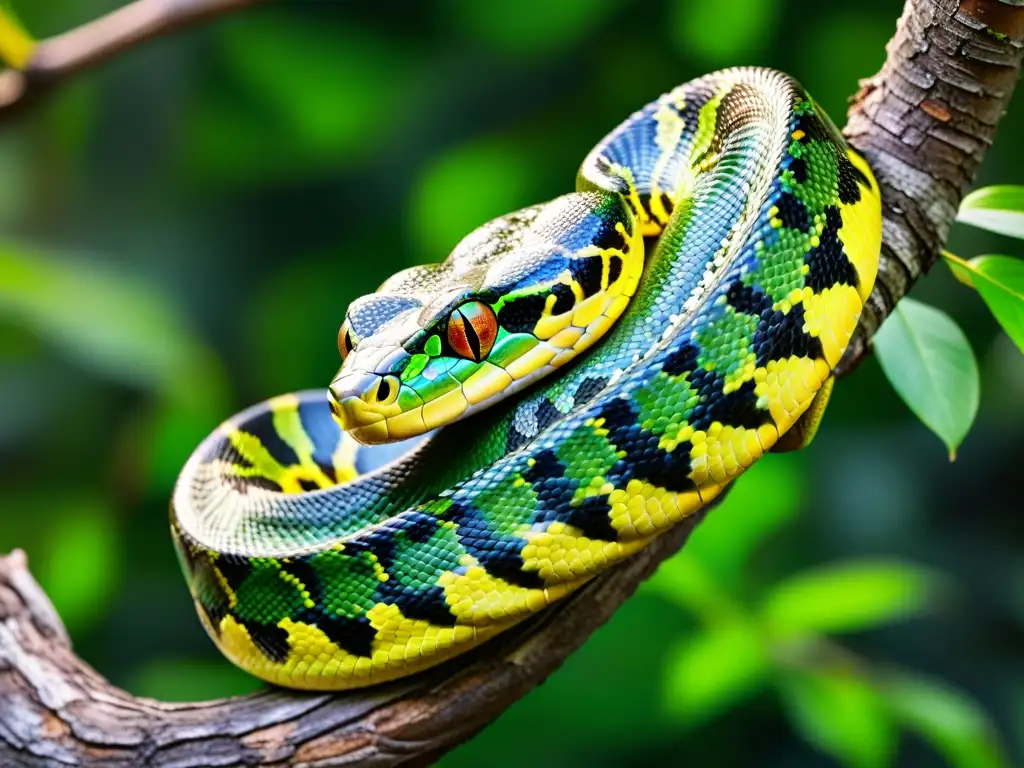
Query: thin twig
point(57, 58)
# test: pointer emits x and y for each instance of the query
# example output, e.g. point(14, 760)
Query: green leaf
point(128, 331)
point(1000, 282)
point(709, 672)
point(961, 269)
point(954, 724)
point(116, 326)
point(998, 209)
point(929, 362)
point(16, 45)
point(847, 597)
point(842, 715)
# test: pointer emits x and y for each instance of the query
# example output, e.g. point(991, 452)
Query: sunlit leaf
point(105, 321)
point(998, 209)
point(190, 680)
point(16, 45)
point(530, 27)
point(79, 566)
point(1000, 282)
point(847, 597)
point(842, 715)
point(465, 188)
point(712, 670)
point(929, 362)
point(960, 268)
point(700, 30)
point(948, 719)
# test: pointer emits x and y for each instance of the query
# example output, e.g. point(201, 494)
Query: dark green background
point(181, 231)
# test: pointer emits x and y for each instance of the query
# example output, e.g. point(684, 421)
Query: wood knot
point(936, 109)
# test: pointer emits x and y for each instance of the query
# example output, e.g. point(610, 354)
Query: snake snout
point(363, 398)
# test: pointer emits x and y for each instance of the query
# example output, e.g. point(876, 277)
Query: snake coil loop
point(713, 264)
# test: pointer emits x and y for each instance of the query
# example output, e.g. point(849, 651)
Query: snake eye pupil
point(345, 342)
point(472, 329)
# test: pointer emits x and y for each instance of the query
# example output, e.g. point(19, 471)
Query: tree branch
point(56, 58)
point(924, 122)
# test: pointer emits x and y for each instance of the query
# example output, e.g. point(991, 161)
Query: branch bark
point(57, 58)
point(924, 122)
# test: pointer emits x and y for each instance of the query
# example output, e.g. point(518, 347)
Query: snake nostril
point(386, 391)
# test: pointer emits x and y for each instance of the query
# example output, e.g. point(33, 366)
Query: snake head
point(421, 367)
point(517, 299)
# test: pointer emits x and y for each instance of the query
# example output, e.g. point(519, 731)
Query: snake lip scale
point(573, 380)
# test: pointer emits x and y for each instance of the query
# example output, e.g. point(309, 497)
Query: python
point(576, 378)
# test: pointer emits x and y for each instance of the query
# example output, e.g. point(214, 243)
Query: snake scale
point(720, 245)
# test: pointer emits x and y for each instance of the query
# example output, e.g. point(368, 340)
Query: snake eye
point(345, 340)
point(472, 329)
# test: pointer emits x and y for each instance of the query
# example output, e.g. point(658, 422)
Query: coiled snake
point(318, 563)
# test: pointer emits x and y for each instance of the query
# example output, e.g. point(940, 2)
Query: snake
point(576, 378)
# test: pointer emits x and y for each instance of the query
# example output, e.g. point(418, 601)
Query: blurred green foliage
point(181, 231)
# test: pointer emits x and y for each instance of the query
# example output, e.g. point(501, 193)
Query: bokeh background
point(181, 231)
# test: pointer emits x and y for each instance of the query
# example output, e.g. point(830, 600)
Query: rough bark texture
point(924, 122)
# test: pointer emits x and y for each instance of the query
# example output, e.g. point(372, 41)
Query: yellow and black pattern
point(768, 232)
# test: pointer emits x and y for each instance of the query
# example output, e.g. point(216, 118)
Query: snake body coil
point(312, 572)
